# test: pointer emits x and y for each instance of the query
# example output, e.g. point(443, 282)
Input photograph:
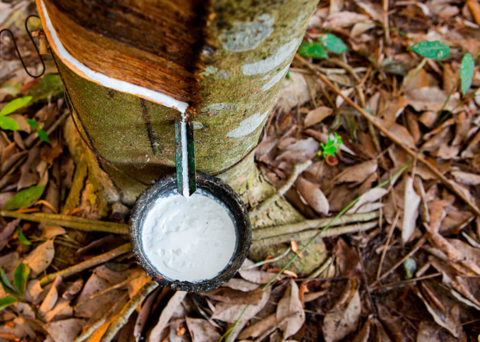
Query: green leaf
point(33, 123)
point(333, 43)
point(332, 146)
point(6, 301)
point(313, 50)
point(7, 286)
point(42, 135)
point(433, 50)
point(466, 72)
point(20, 277)
point(15, 104)
point(22, 238)
point(8, 123)
point(24, 198)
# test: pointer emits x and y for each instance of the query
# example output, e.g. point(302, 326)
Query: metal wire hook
point(33, 42)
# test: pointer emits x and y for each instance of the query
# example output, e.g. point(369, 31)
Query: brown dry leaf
point(295, 248)
point(390, 108)
point(342, 19)
point(265, 150)
point(51, 298)
point(62, 310)
point(410, 211)
point(241, 285)
point(336, 6)
point(311, 296)
point(144, 315)
point(40, 258)
point(343, 321)
point(416, 79)
point(357, 173)
point(470, 255)
point(361, 27)
point(166, 314)
point(300, 151)
point(401, 133)
point(448, 319)
point(437, 210)
point(291, 306)
point(296, 91)
point(94, 285)
point(73, 289)
point(260, 327)
point(29, 175)
point(7, 232)
point(462, 126)
point(475, 9)
point(413, 127)
point(369, 196)
point(66, 330)
point(255, 276)
point(347, 259)
point(115, 277)
point(429, 332)
point(201, 331)
point(374, 10)
point(466, 177)
point(429, 98)
point(230, 296)
point(231, 312)
point(458, 286)
point(313, 195)
point(317, 115)
point(364, 333)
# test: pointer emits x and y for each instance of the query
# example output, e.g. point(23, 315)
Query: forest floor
point(407, 133)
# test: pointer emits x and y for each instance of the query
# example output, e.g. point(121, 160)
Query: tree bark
point(237, 55)
point(225, 58)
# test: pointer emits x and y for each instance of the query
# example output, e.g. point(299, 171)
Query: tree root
point(297, 171)
point(306, 235)
point(269, 232)
point(99, 259)
point(67, 221)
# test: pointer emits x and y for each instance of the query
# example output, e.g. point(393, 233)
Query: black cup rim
point(220, 190)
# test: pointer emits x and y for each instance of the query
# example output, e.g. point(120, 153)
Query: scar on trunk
point(148, 124)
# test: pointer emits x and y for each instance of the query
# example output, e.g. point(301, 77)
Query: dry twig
point(99, 259)
point(68, 221)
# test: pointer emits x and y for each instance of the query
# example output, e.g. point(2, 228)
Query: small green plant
point(11, 107)
point(332, 146)
point(16, 291)
point(41, 133)
point(319, 49)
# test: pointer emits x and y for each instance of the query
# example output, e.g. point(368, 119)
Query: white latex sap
point(188, 240)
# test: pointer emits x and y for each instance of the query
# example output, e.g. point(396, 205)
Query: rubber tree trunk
point(225, 58)
point(232, 60)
